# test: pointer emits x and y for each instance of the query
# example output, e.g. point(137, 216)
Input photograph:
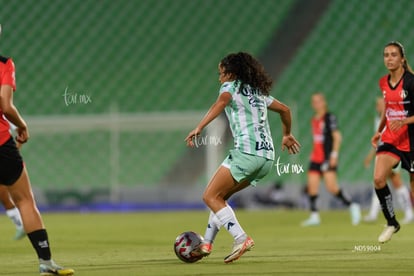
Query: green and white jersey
point(247, 115)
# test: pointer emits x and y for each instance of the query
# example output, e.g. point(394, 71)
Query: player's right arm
point(377, 135)
point(215, 110)
point(12, 114)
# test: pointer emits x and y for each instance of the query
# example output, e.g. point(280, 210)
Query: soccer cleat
point(239, 249)
point(355, 212)
point(370, 219)
point(203, 250)
point(54, 269)
point(20, 234)
point(313, 220)
point(388, 232)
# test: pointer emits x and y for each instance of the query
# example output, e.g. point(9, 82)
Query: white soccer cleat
point(313, 220)
point(355, 211)
point(239, 249)
point(388, 232)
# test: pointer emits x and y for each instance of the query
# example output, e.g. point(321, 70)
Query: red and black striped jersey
point(399, 104)
point(322, 129)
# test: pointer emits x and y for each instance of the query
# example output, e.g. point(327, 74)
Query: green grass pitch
point(142, 244)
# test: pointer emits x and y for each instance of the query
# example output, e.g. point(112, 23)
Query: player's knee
point(207, 199)
point(211, 200)
point(333, 189)
point(379, 181)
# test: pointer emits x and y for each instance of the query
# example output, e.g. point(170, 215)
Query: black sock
point(385, 199)
point(312, 200)
point(345, 199)
point(40, 243)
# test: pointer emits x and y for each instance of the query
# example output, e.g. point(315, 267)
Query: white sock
point(213, 226)
point(403, 198)
point(14, 215)
point(230, 223)
point(375, 206)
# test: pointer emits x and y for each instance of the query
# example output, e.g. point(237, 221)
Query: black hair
point(248, 70)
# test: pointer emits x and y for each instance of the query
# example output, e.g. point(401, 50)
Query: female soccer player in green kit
point(244, 96)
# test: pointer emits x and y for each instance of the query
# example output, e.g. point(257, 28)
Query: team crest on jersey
point(403, 94)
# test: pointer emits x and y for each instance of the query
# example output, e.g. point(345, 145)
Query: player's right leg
point(12, 212)
point(383, 165)
point(314, 178)
point(212, 229)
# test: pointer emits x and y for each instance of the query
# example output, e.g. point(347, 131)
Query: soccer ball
point(185, 243)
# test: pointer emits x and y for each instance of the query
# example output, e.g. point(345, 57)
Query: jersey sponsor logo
point(253, 95)
point(264, 145)
point(394, 114)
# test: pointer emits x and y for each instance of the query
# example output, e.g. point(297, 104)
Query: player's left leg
point(312, 189)
point(22, 196)
point(383, 166)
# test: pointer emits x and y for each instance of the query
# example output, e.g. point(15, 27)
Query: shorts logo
point(240, 168)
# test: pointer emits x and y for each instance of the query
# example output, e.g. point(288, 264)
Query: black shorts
point(321, 167)
point(406, 157)
point(11, 163)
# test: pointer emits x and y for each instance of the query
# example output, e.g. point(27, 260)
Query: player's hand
point(22, 135)
point(290, 143)
point(375, 139)
point(396, 125)
point(333, 161)
point(367, 162)
point(190, 137)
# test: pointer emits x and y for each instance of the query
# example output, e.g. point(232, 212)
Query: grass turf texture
point(142, 244)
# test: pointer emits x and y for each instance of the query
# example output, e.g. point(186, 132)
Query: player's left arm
point(215, 110)
point(288, 140)
point(336, 145)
